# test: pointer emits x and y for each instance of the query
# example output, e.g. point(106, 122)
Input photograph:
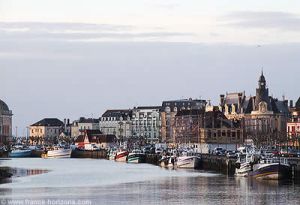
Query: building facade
point(146, 123)
point(45, 131)
point(117, 122)
point(79, 126)
point(203, 131)
point(293, 125)
point(264, 118)
point(168, 112)
point(5, 123)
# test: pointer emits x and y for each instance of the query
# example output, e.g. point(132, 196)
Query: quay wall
point(295, 164)
point(153, 159)
point(94, 154)
point(218, 163)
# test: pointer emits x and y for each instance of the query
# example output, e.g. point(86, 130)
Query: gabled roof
point(49, 122)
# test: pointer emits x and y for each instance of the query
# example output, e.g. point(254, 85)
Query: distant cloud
point(79, 32)
point(265, 20)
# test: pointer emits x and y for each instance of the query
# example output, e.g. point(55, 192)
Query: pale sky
point(72, 58)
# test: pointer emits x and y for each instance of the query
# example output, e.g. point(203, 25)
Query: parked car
point(158, 150)
point(219, 151)
point(231, 154)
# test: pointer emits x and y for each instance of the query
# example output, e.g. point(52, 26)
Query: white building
point(116, 122)
point(146, 123)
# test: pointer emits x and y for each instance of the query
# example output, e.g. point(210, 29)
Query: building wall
point(146, 124)
point(5, 128)
point(49, 132)
point(120, 128)
point(88, 126)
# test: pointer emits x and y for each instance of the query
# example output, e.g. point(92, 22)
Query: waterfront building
point(293, 125)
point(79, 126)
point(168, 112)
point(264, 118)
point(146, 123)
point(46, 131)
point(116, 122)
point(205, 130)
point(97, 138)
point(5, 123)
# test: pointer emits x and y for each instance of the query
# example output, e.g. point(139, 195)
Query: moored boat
point(164, 161)
point(112, 154)
point(244, 165)
point(19, 153)
point(58, 153)
point(121, 156)
point(136, 156)
point(191, 162)
point(272, 169)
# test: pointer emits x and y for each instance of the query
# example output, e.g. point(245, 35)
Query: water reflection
point(112, 183)
point(19, 172)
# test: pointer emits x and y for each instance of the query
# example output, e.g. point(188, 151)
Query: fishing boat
point(168, 162)
point(190, 162)
point(121, 156)
point(58, 153)
point(112, 154)
point(244, 164)
point(164, 161)
point(19, 153)
point(272, 169)
point(136, 156)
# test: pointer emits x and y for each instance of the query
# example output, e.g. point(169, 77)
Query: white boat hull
point(60, 153)
point(244, 170)
point(189, 162)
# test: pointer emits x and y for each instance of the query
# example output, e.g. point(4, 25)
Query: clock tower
point(262, 94)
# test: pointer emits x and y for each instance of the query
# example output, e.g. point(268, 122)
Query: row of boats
point(54, 152)
point(251, 163)
point(185, 160)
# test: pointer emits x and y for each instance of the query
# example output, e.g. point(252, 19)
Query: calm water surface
point(90, 181)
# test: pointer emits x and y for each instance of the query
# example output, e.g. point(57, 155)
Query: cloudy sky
point(72, 58)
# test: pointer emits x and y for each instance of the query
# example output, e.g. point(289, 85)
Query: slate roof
point(297, 105)
point(50, 122)
point(118, 114)
point(191, 103)
point(148, 107)
point(233, 98)
point(88, 120)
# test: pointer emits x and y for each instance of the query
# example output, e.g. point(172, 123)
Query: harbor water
point(93, 181)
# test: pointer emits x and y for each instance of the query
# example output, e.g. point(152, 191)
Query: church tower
point(262, 94)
